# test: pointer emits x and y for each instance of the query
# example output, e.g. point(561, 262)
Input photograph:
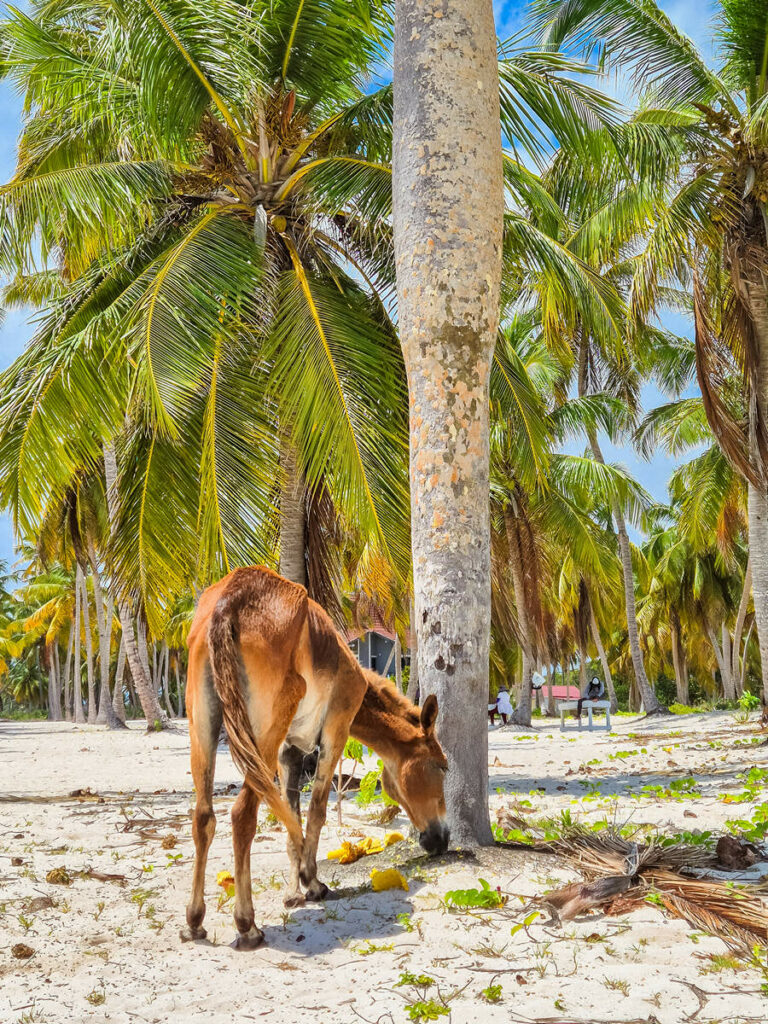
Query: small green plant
point(372, 947)
point(747, 702)
point(99, 910)
point(492, 993)
point(97, 997)
point(722, 962)
point(426, 1009)
point(526, 923)
point(26, 922)
point(616, 985)
point(485, 897)
point(755, 829)
point(414, 980)
point(405, 921)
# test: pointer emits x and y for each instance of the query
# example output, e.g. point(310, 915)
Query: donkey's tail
point(224, 650)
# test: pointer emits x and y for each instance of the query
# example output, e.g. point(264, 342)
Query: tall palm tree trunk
point(77, 684)
point(66, 685)
point(649, 698)
point(118, 700)
point(522, 713)
point(757, 497)
point(598, 642)
point(104, 612)
point(149, 703)
point(448, 208)
point(293, 563)
point(54, 682)
point(92, 709)
point(678, 655)
point(738, 629)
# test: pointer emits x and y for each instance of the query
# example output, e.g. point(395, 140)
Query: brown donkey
point(267, 660)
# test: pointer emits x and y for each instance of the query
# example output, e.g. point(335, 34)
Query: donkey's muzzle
point(434, 839)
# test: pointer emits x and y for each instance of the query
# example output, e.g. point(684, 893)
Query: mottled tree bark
point(757, 497)
point(412, 693)
point(92, 708)
point(448, 202)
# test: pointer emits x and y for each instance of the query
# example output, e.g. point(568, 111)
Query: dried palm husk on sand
point(622, 873)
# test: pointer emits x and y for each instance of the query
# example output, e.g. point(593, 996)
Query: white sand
point(119, 943)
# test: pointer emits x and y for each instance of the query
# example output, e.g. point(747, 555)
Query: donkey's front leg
point(331, 747)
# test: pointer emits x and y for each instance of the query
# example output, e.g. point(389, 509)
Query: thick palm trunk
point(149, 703)
point(522, 713)
point(448, 207)
point(293, 563)
point(77, 684)
point(757, 497)
point(598, 642)
point(757, 504)
point(647, 694)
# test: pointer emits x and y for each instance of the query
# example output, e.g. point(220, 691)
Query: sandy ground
point(109, 950)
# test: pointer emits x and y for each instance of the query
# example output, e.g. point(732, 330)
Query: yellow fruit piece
point(388, 879)
point(347, 853)
point(226, 881)
point(394, 837)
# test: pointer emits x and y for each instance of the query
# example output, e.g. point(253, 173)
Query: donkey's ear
point(429, 714)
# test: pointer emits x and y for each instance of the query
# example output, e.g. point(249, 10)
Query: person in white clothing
point(504, 704)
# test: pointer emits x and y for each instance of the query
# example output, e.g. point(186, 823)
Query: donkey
point(268, 660)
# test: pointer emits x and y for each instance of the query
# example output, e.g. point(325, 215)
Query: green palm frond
point(332, 361)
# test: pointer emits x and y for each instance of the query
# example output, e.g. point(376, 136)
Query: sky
point(694, 17)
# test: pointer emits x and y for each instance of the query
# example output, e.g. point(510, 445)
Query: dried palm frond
point(624, 873)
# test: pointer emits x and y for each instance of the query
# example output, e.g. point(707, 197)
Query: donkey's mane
point(381, 696)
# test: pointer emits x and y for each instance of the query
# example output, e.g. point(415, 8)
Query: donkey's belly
point(304, 731)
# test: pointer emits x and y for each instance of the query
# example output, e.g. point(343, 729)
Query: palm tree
point(549, 509)
point(215, 199)
point(711, 219)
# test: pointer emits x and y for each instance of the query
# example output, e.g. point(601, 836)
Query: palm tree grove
point(384, 511)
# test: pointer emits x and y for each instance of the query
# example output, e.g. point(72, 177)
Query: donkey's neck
point(385, 721)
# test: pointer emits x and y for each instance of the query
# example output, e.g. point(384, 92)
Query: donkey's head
point(414, 777)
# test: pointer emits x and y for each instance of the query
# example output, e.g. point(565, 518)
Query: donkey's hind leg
point(245, 813)
point(204, 726)
point(331, 747)
point(290, 762)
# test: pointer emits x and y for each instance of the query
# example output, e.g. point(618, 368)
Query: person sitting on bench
point(594, 691)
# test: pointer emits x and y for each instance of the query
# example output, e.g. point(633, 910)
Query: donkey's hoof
point(317, 891)
point(296, 899)
point(249, 940)
point(188, 934)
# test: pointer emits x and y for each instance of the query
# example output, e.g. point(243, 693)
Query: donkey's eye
point(443, 768)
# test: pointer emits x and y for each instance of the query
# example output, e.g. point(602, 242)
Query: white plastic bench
point(589, 706)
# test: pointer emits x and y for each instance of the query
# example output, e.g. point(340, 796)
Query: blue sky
point(692, 16)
